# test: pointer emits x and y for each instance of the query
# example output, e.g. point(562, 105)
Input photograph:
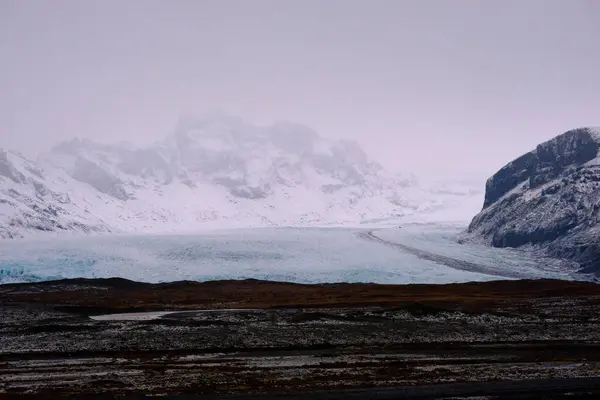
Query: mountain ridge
point(220, 171)
point(547, 200)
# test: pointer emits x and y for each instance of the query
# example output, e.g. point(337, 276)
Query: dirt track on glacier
point(444, 260)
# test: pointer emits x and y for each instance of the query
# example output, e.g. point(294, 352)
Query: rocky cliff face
point(547, 200)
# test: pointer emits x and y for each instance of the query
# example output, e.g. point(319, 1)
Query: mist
point(432, 87)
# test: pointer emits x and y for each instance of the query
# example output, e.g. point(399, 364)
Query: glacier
point(301, 255)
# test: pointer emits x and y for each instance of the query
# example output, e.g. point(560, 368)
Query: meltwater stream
point(302, 255)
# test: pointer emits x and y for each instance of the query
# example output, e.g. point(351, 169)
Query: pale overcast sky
point(426, 85)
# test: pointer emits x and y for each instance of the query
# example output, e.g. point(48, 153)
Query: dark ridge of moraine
point(119, 294)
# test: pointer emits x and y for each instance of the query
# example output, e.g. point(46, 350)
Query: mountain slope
point(32, 200)
point(547, 199)
point(215, 171)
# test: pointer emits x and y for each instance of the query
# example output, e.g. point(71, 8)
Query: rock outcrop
point(547, 200)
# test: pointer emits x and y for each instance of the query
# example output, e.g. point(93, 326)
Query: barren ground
point(502, 338)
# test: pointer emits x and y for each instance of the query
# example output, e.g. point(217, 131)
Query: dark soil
point(505, 338)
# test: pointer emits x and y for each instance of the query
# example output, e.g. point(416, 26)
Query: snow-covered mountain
point(217, 171)
point(547, 200)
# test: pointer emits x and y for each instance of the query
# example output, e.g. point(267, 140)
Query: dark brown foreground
point(504, 339)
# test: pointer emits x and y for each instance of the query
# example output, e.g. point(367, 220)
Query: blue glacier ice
point(302, 255)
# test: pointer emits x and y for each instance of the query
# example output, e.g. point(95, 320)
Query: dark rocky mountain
point(547, 200)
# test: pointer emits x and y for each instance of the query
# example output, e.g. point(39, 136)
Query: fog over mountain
point(446, 94)
point(451, 88)
point(215, 171)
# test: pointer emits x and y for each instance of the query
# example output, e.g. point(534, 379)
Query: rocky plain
point(258, 339)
